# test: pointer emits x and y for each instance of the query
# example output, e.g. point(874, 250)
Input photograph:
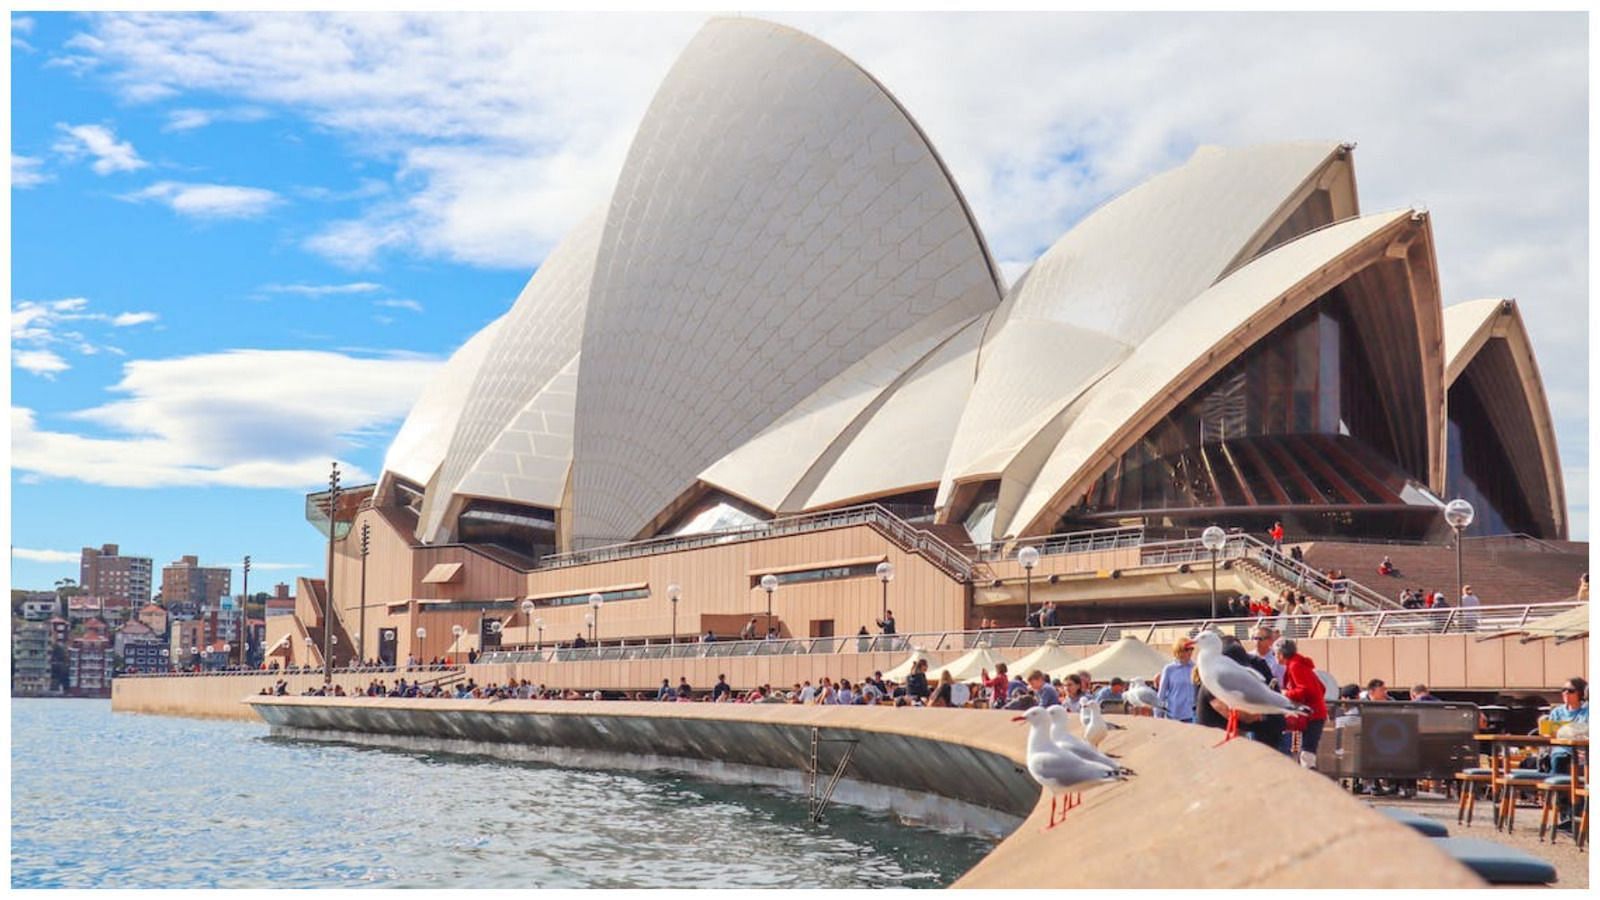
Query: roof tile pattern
point(535, 341)
point(778, 217)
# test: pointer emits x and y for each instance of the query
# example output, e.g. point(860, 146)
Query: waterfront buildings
point(39, 606)
point(787, 312)
point(185, 580)
point(154, 617)
point(30, 660)
point(106, 573)
point(89, 661)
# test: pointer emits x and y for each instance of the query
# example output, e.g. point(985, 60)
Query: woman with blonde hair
point(944, 694)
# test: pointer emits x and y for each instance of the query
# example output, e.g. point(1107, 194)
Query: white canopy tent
point(969, 666)
point(1127, 659)
point(899, 673)
point(1048, 658)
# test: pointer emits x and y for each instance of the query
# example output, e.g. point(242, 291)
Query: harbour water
point(118, 800)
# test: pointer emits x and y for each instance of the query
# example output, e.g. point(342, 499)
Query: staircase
point(1507, 572)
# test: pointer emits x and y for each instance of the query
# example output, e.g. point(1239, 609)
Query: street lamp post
point(361, 632)
point(194, 655)
point(588, 621)
point(769, 583)
point(1213, 539)
point(885, 575)
point(422, 635)
point(327, 594)
point(527, 620)
point(1028, 557)
point(673, 592)
point(457, 631)
point(244, 617)
point(310, 643)
point(1458, 514)
point(538, 625)
point(227, 651)
point(594, 630)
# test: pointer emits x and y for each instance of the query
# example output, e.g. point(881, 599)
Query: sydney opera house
point(783, 347)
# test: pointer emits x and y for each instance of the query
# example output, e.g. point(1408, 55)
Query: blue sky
point(240, 244)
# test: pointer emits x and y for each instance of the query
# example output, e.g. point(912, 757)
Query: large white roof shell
point(778, 468)
point(536, 340)
point(778, 218)
point(1468, 328)
point(420, 444)
point(1195, 341)
point(1118, 275)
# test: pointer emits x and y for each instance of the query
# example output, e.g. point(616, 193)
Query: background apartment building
point(186, 581)
point(106, 573)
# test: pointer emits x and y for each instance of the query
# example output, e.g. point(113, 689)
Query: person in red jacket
point(1276, 533)
point(1301, 684)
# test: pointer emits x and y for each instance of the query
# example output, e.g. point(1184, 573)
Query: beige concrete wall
point(1452, 662)
point(720, 581)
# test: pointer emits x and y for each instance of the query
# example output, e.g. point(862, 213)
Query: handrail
point(872, 514)
point(1519, 536)
point(1064, 542)
point(1382, 623)
point(1238, 546)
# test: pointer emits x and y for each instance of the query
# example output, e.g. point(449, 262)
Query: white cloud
point(110, 155)
point(251, 418)
point(208, 201)
point(39, 362)
point(46, 556)
point(38, 325)
point(189, 119)
point(26, 171)
point(323, 290)
point(23, 25)
point(505, 135)
point(412, 305)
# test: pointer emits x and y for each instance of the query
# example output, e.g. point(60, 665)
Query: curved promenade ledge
point(1195, 816)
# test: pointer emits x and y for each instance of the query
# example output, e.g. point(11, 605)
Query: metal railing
point(307, 670)
point(904, 535)
point(1380, 623)
point(1066, 542)
point(1251, 551)
point(1483, 620)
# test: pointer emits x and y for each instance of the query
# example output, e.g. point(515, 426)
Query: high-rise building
point(187, 580)
point(107, 573)
point(30, 660)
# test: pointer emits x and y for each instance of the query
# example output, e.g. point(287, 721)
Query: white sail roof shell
point(1196, 333)
point(779, 218)
point(420, 445)
point(1117, 276)
point(536, 340)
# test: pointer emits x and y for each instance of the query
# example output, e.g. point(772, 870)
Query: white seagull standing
point(1058, 769)
point(1241, 688)
point(1143, 695)
point(1059, 718)
point(1095, 727)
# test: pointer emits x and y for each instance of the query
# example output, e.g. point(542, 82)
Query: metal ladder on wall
point(815, 802)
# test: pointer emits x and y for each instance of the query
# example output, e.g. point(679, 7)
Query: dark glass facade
point(1296, 428)
point(527, 531)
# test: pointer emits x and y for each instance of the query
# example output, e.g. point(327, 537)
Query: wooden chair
point(1467, 781)
point(1582, 837)
point(1551, 790)
point(1508, 782)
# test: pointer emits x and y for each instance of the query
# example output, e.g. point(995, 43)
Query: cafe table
point(1502, 745)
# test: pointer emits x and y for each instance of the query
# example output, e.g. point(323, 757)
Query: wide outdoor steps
point(1499, 572)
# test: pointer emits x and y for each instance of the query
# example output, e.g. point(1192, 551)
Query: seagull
point(1095, 728)
point(1240, 687)
point(1058, 769)
point(1059, 717)
point(1143, 695)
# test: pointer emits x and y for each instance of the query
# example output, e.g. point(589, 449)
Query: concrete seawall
point(1195, 816)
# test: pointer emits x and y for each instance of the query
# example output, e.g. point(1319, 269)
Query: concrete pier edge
point(1195, 816)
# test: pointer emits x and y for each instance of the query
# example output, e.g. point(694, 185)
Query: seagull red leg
point(1232, 730)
